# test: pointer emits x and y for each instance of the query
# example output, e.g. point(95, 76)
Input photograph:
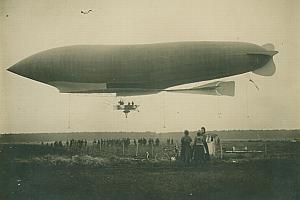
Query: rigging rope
point(246, 93)
point(164, 110)
point(69, 111)
point(219, 113)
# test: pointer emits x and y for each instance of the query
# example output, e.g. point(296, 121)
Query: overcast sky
point(36, 25)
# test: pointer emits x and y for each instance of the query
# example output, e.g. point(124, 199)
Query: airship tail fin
point(267, 70)
point(268, 47)
point(265, 53)
point(269, 50)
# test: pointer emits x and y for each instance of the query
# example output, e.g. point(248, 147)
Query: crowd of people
point(150, 141)
point(106, 142)
point(194, 150)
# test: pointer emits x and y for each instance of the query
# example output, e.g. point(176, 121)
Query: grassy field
point(41, 172)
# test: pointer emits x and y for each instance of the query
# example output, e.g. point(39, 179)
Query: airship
point(140, 69)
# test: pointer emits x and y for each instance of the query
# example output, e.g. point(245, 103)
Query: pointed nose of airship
point(29, 68)
point(14, 69)
point(19, 69)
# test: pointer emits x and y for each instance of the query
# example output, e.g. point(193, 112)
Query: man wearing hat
point(206, 155)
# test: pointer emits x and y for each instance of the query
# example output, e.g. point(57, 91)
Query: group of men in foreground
point(196, 150)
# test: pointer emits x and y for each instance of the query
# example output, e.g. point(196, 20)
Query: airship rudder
point(269, 68)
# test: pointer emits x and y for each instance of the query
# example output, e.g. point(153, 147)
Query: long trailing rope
point(248, 76)
point(107, 102)
point(164, 110)
point(218, 106)
point(69, 111)
point(218, 109)
point(256, 86)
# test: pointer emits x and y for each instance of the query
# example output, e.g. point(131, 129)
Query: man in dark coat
point(186, 151)
point(206, 155)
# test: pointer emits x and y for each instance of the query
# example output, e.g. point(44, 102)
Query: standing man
point(157, 142)
point(186, 151)
point(207, 156)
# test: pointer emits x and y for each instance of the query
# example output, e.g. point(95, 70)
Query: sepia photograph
point(140, 99)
